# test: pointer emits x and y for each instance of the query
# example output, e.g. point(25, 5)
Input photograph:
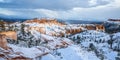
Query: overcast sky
point(61, 9)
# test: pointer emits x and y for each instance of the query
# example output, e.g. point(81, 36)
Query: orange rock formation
point(10, 34)
point(3, 42)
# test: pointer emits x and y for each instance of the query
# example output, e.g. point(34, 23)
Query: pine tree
point(2, 25)
point(22, 29)
point(110, 41)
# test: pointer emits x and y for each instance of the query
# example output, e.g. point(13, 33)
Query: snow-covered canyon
point(55, 41)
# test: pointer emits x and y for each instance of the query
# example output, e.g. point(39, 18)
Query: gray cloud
point(62, 9)
point(48, 4)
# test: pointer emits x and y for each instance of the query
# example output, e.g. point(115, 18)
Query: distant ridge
point(117, 20)
point(10, 19)
point(83, 22)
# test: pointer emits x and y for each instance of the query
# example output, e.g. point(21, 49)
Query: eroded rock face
point(3, 42)
point(73, 31)
point(4, 36)
point(45, 21)
point(10, 34)
point(100, 28)
point(89, 27)
point(20, 58)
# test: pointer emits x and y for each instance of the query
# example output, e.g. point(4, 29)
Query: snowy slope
point(98, 42)
point(71, 53)
point(116, 41)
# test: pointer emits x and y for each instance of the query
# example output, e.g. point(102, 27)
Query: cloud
point(4, 1)
point(7, 12)
point(101, 12)
point(52, 5)
point(92, 2)
point(61, 10)
point(48, 13)
point(1, 0)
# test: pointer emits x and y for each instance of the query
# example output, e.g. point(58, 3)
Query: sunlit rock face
point(100, 28)
point(54, 28)
point(10, 34)
point(3, 42)
point(7, 35)
point(45, 21)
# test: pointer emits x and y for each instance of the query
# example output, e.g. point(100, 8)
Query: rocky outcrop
point(19, 58)
point(10, 34)
point(100, 28)
point(44, 21)
point(73, 31)
point(3, 42)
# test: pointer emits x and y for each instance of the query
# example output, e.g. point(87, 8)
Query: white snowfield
point(72, 52)
point(29, 52)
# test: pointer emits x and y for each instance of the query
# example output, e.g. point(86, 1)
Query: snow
point(28, 52)
point(72, 52)
point(2, 59)
point(111, 55)
point(61, 48)
point(49, 57)
point(94, 37)
point(113, 22)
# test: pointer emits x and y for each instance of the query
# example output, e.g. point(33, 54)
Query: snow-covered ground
point(56, 50)
point(72, 52)
point(98, 42)
point(87, 45)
